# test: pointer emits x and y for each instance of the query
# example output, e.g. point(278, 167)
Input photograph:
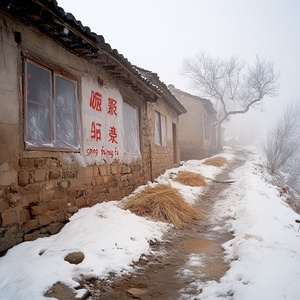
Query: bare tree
point(283, 141)
point(293, 169)
point(231, 84)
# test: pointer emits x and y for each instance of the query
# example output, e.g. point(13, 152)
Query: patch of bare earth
point(168, 274)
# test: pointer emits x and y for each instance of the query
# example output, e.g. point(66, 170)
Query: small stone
point(136, 293)
point(60, 291)
point(23, 177)
point(75, 258)
point(54, 174)
point(72, 209)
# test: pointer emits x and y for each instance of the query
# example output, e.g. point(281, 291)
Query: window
point(131, 130)
point(160, 129)
point(50, 109)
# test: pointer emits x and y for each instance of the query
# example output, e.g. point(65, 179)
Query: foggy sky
point(158, 34)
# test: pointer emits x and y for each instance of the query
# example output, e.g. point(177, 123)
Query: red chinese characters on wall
point(96, 101)
point(112, 110)
point(96, 131)
point(113, 135)
point(112, 106)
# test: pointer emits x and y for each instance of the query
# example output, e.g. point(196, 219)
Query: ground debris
point(220, 181)
point(74, 258)
point(136, 293)
point(61, 291)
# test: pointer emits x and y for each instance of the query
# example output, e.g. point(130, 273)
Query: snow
point(110, 238)
point(263, 256)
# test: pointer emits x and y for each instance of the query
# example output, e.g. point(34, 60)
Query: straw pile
point(163, 203)
point(217, 161)
point(190, 178)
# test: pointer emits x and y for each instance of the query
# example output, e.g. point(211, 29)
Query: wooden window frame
point(159, 137)
point(54, 74)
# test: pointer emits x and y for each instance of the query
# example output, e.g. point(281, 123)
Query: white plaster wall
point(107, 149)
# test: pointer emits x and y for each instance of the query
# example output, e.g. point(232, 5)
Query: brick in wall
point(40, 175)
point(9, 217)
point(23, 216)
point(23, 177)
point(89, 172)
point(44, 219)
point(36, 210)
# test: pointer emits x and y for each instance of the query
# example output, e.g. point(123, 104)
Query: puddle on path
point(183, 263)
point(200, 246)
point(211, 255)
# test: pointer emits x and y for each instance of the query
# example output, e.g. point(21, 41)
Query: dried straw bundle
point(190, 178)
point(163, 203)
point(217, 161)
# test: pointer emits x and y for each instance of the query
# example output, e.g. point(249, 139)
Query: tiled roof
point(207, 103)
point(169, 96)
point(65, 30)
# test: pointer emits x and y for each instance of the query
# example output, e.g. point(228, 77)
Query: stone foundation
point(50, 191)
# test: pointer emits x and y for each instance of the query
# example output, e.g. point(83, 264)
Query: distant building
point(166, 110)
point(78, 123)
point(197, 130)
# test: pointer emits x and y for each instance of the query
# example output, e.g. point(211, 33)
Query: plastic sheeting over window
point(157, 128)
point(131, 130)
point(51, 113)
point(38, 125)
point(66, 119)
point(163, 121)
point(160, 129)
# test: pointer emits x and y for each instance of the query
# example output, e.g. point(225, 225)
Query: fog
point(157, 35)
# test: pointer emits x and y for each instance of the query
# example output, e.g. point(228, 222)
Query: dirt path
point(168, 275)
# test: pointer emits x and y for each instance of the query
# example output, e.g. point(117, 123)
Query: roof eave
point(69, 33)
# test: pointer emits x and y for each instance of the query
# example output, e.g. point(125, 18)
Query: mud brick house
point(197, 133)
point(165, 125)
point(78, 122)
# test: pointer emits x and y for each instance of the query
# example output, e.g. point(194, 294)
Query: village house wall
point(197, 134)
point(164, 124)
point(164, 156)
point(41, 189)
point(191, 133)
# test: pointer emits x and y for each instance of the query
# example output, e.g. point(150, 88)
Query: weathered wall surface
point(40, 190)
point(9, 112)
point(162, 157)
point(193, 142)
point(191, 130)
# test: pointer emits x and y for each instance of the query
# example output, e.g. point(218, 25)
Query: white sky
point(158, 34)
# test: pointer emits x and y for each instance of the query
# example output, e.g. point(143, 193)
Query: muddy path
point(186, 257)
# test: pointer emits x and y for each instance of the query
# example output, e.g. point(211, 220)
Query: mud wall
point(162, 157)
point(41, 189)
point(191, 130)
point(193, 142)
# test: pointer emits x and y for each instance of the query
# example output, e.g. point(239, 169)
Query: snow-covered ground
point(264, 255)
